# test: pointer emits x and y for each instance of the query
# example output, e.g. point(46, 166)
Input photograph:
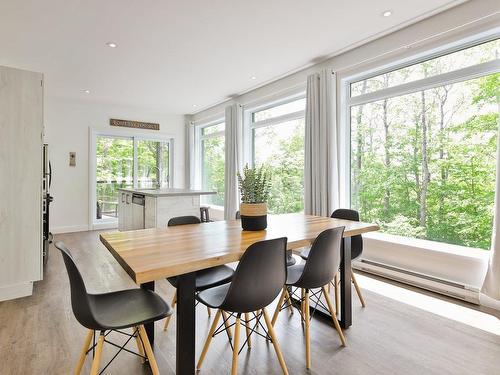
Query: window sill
point(428, 245)
point(449, 262)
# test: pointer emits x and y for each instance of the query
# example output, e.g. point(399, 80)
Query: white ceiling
point(173, 55)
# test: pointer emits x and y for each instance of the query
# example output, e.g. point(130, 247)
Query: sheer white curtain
point(233, 149)
point(491, 285)
point(191, 157)
point(321, 174)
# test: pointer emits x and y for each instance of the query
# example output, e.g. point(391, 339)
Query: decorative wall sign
point(134, 124)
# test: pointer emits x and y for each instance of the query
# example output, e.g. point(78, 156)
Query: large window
point(211, 146)
point(423, 146)
point(126, 162)
point(276, 135)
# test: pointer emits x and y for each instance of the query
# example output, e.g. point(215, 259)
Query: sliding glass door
point(152, 163)
point(114, 169)
point(123, 161)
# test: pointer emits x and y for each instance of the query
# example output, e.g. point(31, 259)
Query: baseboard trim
point(105, 225)
point(16, 291)
point(69, 229)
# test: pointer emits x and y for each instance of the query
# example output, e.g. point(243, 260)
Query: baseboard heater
point(448, 288)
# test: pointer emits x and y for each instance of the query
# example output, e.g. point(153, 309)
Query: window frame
point(424, 56)
point(250, 125)
point(455, 76)
point(95, 223)
point(198, 151)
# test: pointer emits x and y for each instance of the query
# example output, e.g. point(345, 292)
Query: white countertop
point(167, 192)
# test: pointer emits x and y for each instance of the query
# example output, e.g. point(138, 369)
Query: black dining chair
point(112, 312)
point(356, 251)
point(317, 272)
point(258, 279)
point(206, 278)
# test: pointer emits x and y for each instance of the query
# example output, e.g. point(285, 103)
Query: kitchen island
point(153, 208)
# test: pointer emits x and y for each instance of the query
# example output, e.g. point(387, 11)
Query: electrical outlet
point(72, 159)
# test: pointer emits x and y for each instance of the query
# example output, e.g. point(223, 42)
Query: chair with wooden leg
point(356, 251)
point(257, 281)
point(206, 278)
point(112, 312)
point(319, 269)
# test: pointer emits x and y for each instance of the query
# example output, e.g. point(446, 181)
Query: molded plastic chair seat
point(206, 278)
point(356, 241)
point(304, 254)
point(294, 273)
point(113, 311)
point(209, 277)
point(257, 281)
point(320, 267)
point(290, 260)
point(356, 250)
point(214, 297)
point(127, 308)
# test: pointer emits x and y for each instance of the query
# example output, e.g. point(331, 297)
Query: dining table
point(149, 255)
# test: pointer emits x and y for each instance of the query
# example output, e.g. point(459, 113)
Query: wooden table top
point(154, 254)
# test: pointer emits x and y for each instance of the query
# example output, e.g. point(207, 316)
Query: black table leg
point(345, 284)
point(150, 327)
point(186, 323)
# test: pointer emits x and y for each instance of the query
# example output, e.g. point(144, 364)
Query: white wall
point(468, 19)
point(67, 123)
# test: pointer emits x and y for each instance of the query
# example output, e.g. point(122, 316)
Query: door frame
point(134, 136)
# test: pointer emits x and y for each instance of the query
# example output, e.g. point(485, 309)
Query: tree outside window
point(423, 164)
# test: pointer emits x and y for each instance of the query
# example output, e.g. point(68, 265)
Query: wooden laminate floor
point(39, 335)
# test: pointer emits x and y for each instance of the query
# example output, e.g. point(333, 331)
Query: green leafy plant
point(254, 184)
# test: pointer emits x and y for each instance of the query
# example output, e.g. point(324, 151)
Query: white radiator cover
point(451, 270)
point(449, 288)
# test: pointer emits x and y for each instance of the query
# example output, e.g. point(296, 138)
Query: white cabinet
point(141, 210)
point(125, 219)
point(121, 210)
point(21, 128)
point(137, 221)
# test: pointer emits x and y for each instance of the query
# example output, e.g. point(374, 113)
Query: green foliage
point(284, 160)
point(115, 167)
point(281, 148)
point(254, 184)
point(461, 123)
point(213, 169)
point(402, 224)
point(488, 90)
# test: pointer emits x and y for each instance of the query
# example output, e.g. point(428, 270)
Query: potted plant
point(254, 184)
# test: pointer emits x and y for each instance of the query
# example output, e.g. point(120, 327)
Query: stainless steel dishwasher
point(138, 203)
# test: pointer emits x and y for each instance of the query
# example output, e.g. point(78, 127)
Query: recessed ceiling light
point(387, 13)
point(195, 105)
point(112, 45)
point(253, 77)
point(86, 91)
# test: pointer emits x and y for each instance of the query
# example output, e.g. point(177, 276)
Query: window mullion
point(455, 76)
point(135, 164)
point(278, 120)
